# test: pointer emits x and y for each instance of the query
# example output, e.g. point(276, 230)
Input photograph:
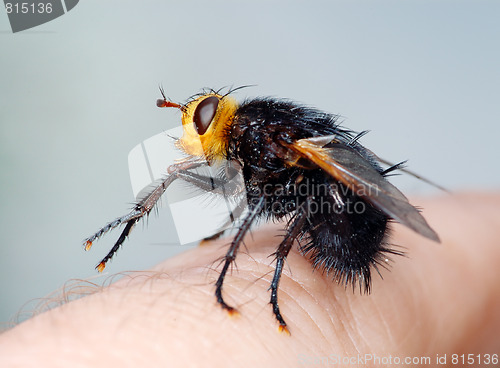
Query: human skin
point(439, 299)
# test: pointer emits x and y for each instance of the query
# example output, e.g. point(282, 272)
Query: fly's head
point(206, 123)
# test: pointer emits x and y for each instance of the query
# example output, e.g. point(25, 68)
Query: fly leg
point(144, 206)
point(234, 215)
point(293, 231)
point(233, 250)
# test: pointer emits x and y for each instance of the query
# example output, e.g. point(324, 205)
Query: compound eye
point(204, 114)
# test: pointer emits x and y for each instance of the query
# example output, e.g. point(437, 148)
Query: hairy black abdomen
point(343, 234)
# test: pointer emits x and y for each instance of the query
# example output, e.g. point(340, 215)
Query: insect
point(298, 165)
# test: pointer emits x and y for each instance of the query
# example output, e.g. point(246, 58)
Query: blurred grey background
point(77, 93)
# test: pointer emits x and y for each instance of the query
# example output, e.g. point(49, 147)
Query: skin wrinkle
point(340, 322)
point(289, 301)
point(300, 302)
point(380, 317)
point(334, 318)
point(344, 316)
point(372, 307)
point(392, 300)
point(353, 329)
point(318, 346)
point(252, 279)
point(414, 295)
point(439, 326)
point(396, 342)
point(413, 285)
point(330, 317)
point(297, 300)
point(355, 332)
point(413, 308)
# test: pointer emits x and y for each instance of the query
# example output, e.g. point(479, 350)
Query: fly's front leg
point(144, 206)
point(126, 231)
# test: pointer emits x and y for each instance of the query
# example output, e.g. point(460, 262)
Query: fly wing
point(347, 166)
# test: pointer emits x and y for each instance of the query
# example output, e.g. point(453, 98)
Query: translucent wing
point(347, 166)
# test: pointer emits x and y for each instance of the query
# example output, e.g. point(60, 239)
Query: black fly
point(298, 165)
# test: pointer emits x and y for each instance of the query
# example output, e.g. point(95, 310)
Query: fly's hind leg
point(234, 215)
point(233, 250)
point(293, 231)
